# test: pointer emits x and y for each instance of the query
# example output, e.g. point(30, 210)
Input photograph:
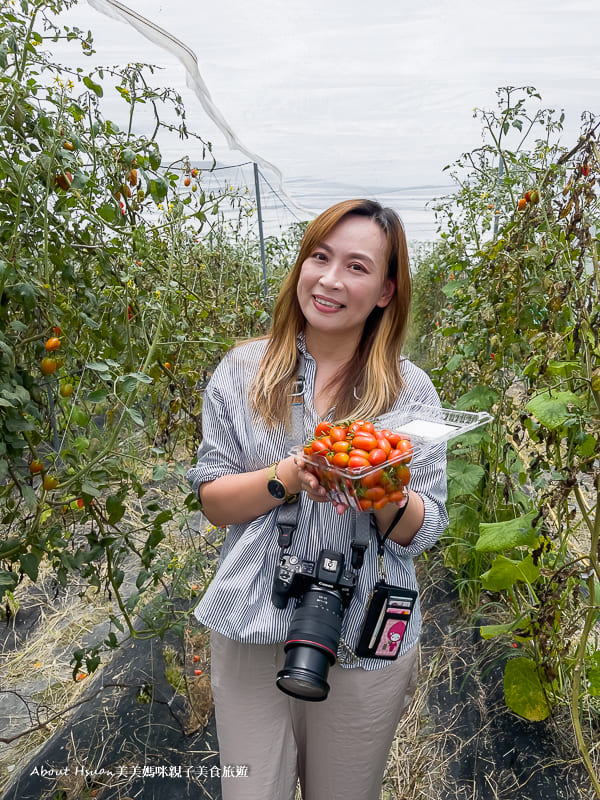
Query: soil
point(132, 734)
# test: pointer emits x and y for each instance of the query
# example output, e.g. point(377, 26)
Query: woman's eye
point(357, 267)
point(319, 256)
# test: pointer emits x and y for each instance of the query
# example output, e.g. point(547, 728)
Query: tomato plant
point(97, 240)
point(515, 331)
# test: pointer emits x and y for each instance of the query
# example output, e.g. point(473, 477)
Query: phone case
point(388, 614)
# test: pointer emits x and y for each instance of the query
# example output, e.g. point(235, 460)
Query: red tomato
point(377, 456)
point(395, 497)
point(319, 446)
point(368, 427)
point(357, 462)
point(356, 452)
point(365, 504)
point(364, 441)
point(402, 473)
point(405, 447)
point(393, 438)
point(338, 433)
point(384, 444)
point(372, 479)
point(375, 493)
point(322, 429)
point(380, 503)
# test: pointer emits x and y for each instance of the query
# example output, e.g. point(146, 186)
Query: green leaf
point(552, 409)
point(491, 631)
point(160, 472)
point(30, 565)
point(454, 362)
point(99, 396)
point(505, 572)
point(136, 416)
point(94, 87)
point(523, 690)
point(497, 536)
point(115, 508)
point(463, 477)
point(480, 398)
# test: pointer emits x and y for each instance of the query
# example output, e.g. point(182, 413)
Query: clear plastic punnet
point(372, 486)
point(424, 424)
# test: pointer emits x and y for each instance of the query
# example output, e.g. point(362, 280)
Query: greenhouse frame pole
point(260, 231)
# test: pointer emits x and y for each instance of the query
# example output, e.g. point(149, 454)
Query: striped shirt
point(237, 602)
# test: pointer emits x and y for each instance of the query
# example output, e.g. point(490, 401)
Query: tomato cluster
point(359, 465)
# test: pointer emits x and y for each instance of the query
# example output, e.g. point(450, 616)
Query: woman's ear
point(387, 293)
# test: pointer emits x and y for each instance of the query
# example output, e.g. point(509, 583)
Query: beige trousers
point(338, 747)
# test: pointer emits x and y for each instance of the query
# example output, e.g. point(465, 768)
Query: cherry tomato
point(338, 433)
point(48, 366)
point(364, 441)
point(377, 456)
point(36, 466)
point(368, 427)
point(392, 437)
point(384, 444)
point(340, 460)
point(372, 479)
point(318, 446)
point(323, 429)
point(375, 493)
point(50, 482)
point(405, 447)
point(377, 504)
point(402, 473)
point(357, 462)
point(357, 452)
point(53, 343)
point(396, 497)
point(365, 504)
point(341, 447)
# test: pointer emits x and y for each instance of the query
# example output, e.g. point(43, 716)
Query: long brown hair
point(373, 374)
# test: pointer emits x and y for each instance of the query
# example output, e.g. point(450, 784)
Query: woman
point(341, 312)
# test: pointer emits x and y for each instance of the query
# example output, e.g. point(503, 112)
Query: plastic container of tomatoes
point(363, 467)
point(366, 465)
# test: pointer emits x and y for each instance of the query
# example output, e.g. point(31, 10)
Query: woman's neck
point(330, 351)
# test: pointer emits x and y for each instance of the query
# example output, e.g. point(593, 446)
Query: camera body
point(323, 590)
point(294, 576)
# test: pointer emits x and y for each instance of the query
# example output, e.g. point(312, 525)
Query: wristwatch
point(277, 488)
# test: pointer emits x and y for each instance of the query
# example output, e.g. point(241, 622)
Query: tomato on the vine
point(50, 482)
point(53, 343)
point(48, 365)
point(36, 466)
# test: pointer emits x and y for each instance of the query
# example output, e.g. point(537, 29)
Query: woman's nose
point(331, 276)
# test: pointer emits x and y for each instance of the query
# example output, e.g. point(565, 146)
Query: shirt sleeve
point(220, 452)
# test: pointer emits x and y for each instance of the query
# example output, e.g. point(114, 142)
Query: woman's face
point(344, 278)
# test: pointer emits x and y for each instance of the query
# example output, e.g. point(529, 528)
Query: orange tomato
point(53, 343)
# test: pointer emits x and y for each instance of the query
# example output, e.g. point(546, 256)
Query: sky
point(344, 97)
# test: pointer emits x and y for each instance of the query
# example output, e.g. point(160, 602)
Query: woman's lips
point(326, 304)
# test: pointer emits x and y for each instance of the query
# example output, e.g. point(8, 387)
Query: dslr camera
point(323, 590)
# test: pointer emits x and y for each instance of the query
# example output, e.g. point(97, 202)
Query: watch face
point(276, 488)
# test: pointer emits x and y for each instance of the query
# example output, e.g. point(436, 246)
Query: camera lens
point(311, 645)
